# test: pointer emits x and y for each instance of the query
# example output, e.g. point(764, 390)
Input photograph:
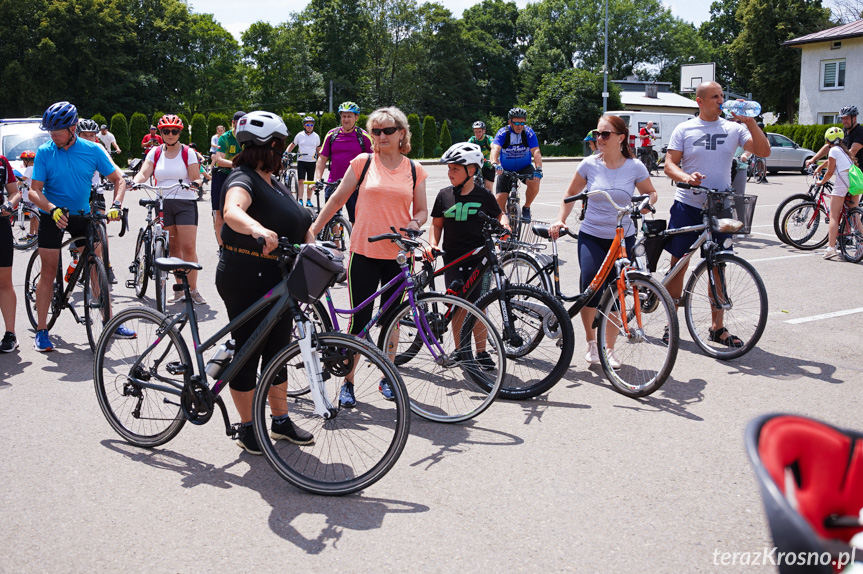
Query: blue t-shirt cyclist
point(516, 148)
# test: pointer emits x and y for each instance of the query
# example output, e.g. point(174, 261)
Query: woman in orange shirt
point(387, 198)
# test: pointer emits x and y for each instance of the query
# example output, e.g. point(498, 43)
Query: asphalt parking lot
point(581, 479)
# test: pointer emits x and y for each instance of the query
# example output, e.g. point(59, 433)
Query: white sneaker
point(592, 355)
point(177, 297)
point(612, 360)
point(197, 297)
point(830, 253)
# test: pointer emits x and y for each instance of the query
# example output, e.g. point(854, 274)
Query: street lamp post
point(605, 65)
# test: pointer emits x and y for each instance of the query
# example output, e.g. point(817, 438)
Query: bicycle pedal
point(130, 284)
point(176, 368)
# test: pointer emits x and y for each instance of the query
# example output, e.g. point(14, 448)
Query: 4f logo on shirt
point(460, 211)
point(711, 142)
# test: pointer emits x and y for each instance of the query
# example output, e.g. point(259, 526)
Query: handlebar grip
point(384, 236)
point(683, 185)
point(576, 197)
point(124, 222)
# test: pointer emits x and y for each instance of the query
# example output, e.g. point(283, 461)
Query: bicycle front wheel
point(524, 267)
point(784, 206)
point(447, 381)
point(160, 249)
point(354, 448)
point(21, 220)
point(634, 354)
point(317, 312)
point(740, 305)
point(540, 343)
point(292, 184)
point(851, 235)
point(339, 232)
point(760, 170)
point(139, 388)
point(805, 226)
point(97, 299)
point(31, 282)
point(140, 267)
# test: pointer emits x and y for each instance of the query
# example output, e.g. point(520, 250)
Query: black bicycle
point(338, 229)
point(149, 387)
point(513, 202)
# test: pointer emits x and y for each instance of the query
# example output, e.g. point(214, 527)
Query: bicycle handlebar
point(522, 177)
point(683, 185)
point(159, 188)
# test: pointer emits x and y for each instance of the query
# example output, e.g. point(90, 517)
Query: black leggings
point(238, 290)
point(365, 275)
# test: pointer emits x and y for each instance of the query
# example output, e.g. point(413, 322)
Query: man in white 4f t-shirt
point(309, 143)
point(700, 153)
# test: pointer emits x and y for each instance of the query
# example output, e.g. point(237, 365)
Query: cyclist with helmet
point(516, 148)
point(151, 140)
point(341, 145)
point(839, 162)
point(222, 165)
point(590, 138)
point(87, 131)
point(309, 143)
point(484, 142)
point(8, 301)
point(853, 138)
point(169, 164)
point(258, 205)
point(62, 173)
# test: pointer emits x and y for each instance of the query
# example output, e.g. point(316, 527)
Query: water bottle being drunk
point(741, 108)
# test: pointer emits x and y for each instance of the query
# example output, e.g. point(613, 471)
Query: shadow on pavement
point(455, 438)
point(11, 365)
point(765, 364)
point(353, 512)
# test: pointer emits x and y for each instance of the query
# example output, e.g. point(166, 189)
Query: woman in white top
point(171, 163)
point(838, 162)
point(613, 170)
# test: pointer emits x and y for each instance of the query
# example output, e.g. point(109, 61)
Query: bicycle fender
point(638, 274)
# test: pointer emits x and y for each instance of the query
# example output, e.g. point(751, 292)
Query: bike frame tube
point(334, 312)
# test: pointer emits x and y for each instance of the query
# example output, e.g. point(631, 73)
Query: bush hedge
point(416, 136)
point(430, 136)
point(120, 129)
point(808, 136)
point(139, 126)
point(201, 133)
point(445, 138)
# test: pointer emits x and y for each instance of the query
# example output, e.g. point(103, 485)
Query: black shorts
point(219, 178)
point(51, 236)
point(464, 273)
point(305, 171)
point(488, 173)
point(181, 212)
point(504, 183)
point(6, 250)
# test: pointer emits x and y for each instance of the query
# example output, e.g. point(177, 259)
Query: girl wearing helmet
point(257, 205)
point(170, 163)
point(483, 140)
point(309, 143)
point(839, 162)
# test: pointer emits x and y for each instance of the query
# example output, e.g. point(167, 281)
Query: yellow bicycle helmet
point(833, 135)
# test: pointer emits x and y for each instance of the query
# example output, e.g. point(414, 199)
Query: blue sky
point(236, 15)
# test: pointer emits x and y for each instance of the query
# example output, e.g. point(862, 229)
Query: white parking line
point(825, 316)
point(782, 257)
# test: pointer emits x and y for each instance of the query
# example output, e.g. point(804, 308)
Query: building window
point(831, 118)
point(833, 74)
point(836, 45)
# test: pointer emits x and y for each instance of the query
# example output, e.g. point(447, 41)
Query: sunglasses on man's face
point(605, 135)
point(173, 132)
point(519, 123)
point(309, 125)
point(389, 131)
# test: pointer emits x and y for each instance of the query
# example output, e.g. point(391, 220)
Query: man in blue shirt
point(62, 172)
point(516, 148)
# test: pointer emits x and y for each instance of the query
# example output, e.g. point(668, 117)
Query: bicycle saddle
point(176, 264)
point(727, 225)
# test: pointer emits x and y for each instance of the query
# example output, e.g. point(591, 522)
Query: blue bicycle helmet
point(59, 116)
point(349, 107)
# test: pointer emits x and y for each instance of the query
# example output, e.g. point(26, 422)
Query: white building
point(646, 96)
point(831, 72)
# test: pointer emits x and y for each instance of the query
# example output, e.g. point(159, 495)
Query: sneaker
point(9, 344)
point(485, 361)
point(286, 430)
point(386, 390)
point(665, 336)
point(124, 332)
point(309, 203)
point(177, 297)
point(346, 396)
point(248, 441)
point(525, 214)
point(43, 341)
point(592, 355)
point(197, 298)
point(112, 279)
point(612, 360)
point(830, 253)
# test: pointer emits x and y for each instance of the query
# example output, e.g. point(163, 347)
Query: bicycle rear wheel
point(744, 300)
point(31, 282)
point(353, 449)
point(22, 239)
point(141, 265)
point(760, 170)
point(851, 235)
point(97, 299)
point(784, 206)
point(539, 350)
point(160, 249)
point(142, 415)
point(805, 226)
point(645, 360)
point(339, 232)
point(524, 267)
point(292, 184)
point(461, 382)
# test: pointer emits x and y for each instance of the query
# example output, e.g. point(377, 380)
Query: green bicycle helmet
point(591, 136)
point(349, 107)
point(833, 135)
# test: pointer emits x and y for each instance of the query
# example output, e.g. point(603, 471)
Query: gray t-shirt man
point(708, 148)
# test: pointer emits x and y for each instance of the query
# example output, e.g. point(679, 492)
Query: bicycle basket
point(315, 270)
point(736, 207)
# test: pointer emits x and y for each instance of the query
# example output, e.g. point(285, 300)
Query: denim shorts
point(683, 215)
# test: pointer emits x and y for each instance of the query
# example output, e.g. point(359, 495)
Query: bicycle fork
point(312, 362)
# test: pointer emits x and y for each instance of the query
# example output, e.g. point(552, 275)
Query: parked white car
point(785, 155)
point(18, 135)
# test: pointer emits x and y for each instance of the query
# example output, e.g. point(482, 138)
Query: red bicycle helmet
point(27, 154)
point(170, 121)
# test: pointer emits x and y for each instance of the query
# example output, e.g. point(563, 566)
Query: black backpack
point(506, 140)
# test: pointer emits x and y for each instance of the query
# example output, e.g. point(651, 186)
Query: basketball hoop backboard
point(693, 74)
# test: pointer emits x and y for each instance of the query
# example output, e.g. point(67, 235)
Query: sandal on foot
point(729, 341)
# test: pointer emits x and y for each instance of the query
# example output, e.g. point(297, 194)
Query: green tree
point(416, 136)
point(214, 74)
point(218, 119)
point(492, 49)
point(201, 133)
point(120, 129)
point(184, 135)
point(445, 138)
point(294, 123)
point(156, 117)
point(138, 128)
point(568, 105)
point(328, 121)
point(430, 136)
point(337, 33)
point(99, 119)
point(719, 31)
point(773, 70)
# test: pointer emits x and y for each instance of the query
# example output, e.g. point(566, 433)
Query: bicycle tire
point(141, 264)
point(160, 278)
point(31, 282)
point(520, 266)
point(453, 388)
point(805, 226)
point(514, 215)
point(97, 299)
point(782, 209)
point(760, 170)
point(745, 319)
point(851, 241)
point(355, 448)
point(645, 360)
point(341, 236)
point(317, 312)
point(21, 238)
point(143, 416)
point(292, 184)
point(540, 352)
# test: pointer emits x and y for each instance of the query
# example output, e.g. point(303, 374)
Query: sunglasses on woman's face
point(389, 131)
point(605, 135)
point(173, 132)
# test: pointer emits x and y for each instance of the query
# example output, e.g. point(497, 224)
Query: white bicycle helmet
point(259, 128)
point(463, 153)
